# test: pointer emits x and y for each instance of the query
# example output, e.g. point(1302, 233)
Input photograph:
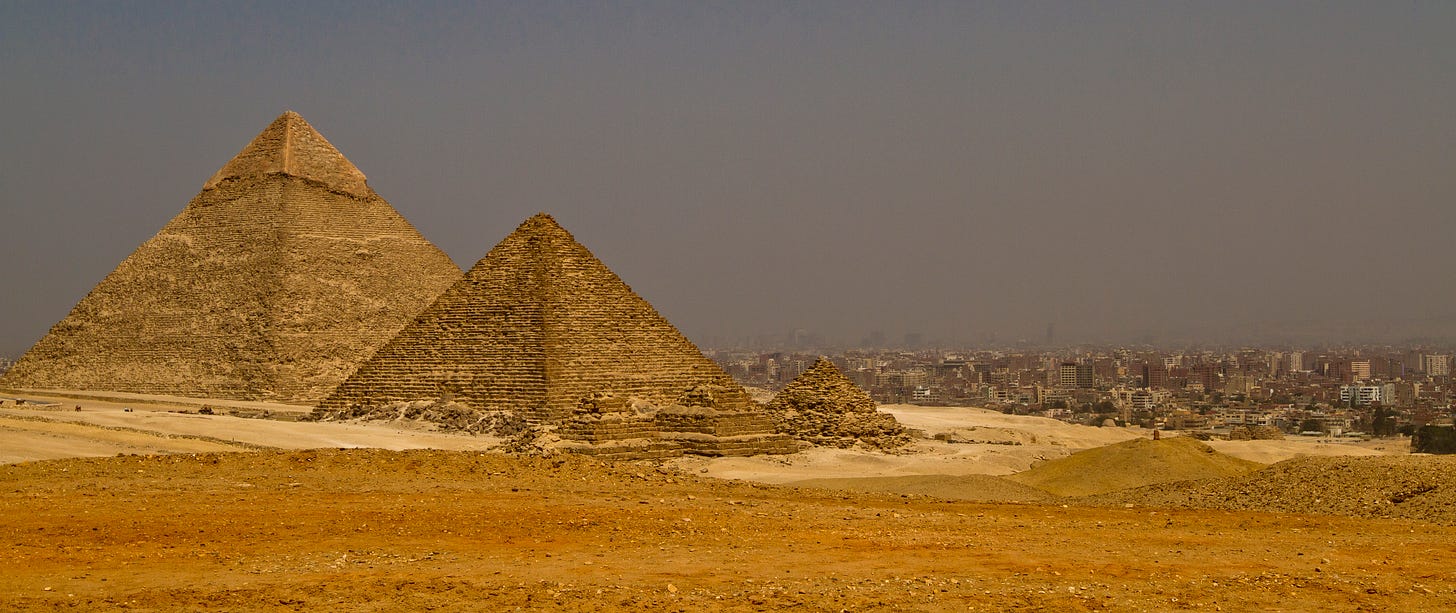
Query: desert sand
point(993, 443)
point(232, 513)
point(371, 530)
point(157, 425)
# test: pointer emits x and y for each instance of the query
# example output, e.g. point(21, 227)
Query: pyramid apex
point(541, 219)
point(823, 362)
point(542, 222)
point(291, 146)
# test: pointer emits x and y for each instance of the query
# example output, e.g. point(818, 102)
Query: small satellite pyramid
point(544, 330)
point(274, 283)
point(824, 407)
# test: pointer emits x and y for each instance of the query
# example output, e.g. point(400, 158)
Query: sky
point(973, 172)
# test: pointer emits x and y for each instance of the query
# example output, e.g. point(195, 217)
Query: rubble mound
point(1434, 439)
point(1130, 464)
point(823, 407)
point(1256, 433)
point(442, 415)
point(1404, 487)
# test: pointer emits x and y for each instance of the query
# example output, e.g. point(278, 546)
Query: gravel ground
point(1409, 487)
point(372, 530)
point(984, 488)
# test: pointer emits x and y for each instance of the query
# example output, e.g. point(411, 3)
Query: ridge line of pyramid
point(291, 146)
point(292, 119)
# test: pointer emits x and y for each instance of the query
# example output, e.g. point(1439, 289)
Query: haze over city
point(974, 173)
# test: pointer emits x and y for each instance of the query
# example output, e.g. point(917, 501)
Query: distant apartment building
point(901, 378)
point(1366, 395)
point(1406, 393)
point(792, 369)
point(1243, 417)
point(1155, 376)
point(1072, 374)
point(1302, 361)
point(1293, 362)
point(1412, 360)
point(1066, 375)
point(925, 394)
point(1382, 367)
point(1436, 365)
point(1336, 368)
point(1003, 378)
point(1206, 375)
point(1360, 370)
point(1053, 395)
point(1239, 383)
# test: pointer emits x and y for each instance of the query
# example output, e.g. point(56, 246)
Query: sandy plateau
point(162, 508)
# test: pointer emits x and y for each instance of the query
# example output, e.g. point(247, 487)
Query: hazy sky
point(965, 170)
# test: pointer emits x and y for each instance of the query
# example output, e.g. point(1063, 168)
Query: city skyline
point(973, 174)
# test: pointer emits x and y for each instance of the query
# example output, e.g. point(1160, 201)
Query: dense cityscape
point(1348, 391)
point(1333, 392)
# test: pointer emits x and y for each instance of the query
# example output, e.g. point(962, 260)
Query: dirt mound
point(1407, 487)
point(1256, 433)
point(983, 488)
point(1129, 464)
point(976, 435)
point(442, 415)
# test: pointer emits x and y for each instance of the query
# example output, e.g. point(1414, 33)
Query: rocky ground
point(1410, 487)
point(373, 530)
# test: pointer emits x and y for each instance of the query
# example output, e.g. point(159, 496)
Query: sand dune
point(1133, 463)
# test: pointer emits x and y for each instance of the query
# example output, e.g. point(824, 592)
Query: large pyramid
point(275, 282)
point(542, 329)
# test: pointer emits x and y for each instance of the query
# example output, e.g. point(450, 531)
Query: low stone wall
point(672, 432)
point(598, 430)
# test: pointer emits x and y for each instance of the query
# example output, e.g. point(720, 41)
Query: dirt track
point(380, 530)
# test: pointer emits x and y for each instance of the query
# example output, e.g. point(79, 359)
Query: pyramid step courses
point(541, 331)
point(823, 407)
point(282, 275)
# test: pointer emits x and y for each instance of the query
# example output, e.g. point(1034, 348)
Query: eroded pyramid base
point(672, 432)
point(601, 427)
